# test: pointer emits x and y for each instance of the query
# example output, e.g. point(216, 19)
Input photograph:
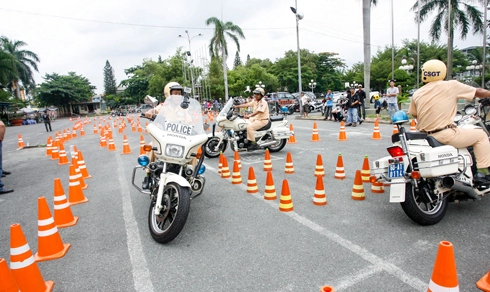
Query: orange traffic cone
point(23, 265)
point(285, 203)
point(292, 138)
point(82, 166)
point(376, 133)
point(482, 284)
point(395, 130)
point(49, 144)
point(126, 149)
point(366, 171)
point(444, 275)
point(142, 143)
point(63, 216)
point(82, 132)
point(339, 170)
point(289, 164)
point(236, 177)
point(251, 181)
point(103, 142)
point(95, 129)
point(319, 197)
point(73, 133)
point(220, 163)
point(225, 170)
point(237, 159)
point(75, 192)
point(358, 188)
point(377, 188)
point(314, 135)
point(270, 189)
point(413, 127)
point(267, 161)
point(63, 158)
point(79, 173)
point(327, 289)
point(20, 142)
point(319, 170)
point(50, 245)
point(342, 134)
point(7, 282)
point(111, 146)
point(55, 154)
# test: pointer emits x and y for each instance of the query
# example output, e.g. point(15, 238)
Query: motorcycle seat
point(276, 118)
point(266, 127)
point(418, 136)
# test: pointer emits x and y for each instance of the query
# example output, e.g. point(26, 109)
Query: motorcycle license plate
point(396, 170)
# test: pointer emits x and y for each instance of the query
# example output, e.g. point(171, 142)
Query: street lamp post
point(299, 16)
point(260, 85)
point(190, 55)
point(474, 67)
point(406, 67)
point(312, 85)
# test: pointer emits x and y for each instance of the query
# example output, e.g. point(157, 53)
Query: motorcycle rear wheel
point(166, 226)
point(278, 146)
point(209, 146)
point(418, 207)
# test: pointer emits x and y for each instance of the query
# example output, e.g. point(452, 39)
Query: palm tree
point(24, 61)
point(463, 17)
point(366, 25)
point(7, 68)
point(218, 42)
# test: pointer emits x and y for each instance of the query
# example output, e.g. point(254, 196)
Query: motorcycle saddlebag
point(282, 133)
point(438, 161)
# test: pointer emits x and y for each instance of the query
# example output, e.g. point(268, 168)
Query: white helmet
point(259, 91)
point(172, 86)
point(433, 70)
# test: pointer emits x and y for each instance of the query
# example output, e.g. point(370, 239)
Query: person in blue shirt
point(377, 105)
point(328, 105)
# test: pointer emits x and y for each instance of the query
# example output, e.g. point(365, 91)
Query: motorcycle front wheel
point(423, 206)
point(278, 146)
point(165, 226)
point(210, 150)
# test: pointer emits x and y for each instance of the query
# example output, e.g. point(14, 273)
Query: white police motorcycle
point(273, 136)
point(171, 180)
point(424, 175)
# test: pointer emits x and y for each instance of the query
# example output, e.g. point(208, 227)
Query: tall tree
point(219, 44)
point(7, 68)
point(366, 28)
point(24, 60)
point(238, 61)
point(463, 17)
point(110, 86)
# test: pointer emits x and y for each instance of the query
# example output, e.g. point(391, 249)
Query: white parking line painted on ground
point(351, 279)
point(378, 263)
point(141, 274)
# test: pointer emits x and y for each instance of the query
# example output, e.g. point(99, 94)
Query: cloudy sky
point(80, 36)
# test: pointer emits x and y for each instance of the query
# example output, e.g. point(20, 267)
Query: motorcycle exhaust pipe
point(267, 144)
point(449, 182)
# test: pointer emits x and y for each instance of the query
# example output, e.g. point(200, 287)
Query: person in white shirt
point(392, 96)
point(305, 103)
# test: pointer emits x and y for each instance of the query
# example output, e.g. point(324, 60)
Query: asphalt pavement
point(235, 241)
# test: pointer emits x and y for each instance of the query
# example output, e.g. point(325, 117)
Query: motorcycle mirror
point(150, 100)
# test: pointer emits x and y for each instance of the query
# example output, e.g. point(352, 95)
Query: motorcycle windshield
point(172, 117)
point(226, 108)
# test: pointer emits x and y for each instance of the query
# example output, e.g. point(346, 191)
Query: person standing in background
point(392, 96)
point(2, 135)
point(328, 105)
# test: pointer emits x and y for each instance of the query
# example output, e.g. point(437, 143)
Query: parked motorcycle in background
point(273, 136)
point(425, 175)
point(173, 178)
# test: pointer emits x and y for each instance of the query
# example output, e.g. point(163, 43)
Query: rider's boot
point(146, 183)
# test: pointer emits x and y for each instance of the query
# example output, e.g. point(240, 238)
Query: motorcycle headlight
point(143, 160)
point(176, 151)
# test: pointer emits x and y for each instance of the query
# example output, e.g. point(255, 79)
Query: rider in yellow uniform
point(434, 106)
point(258, 118)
